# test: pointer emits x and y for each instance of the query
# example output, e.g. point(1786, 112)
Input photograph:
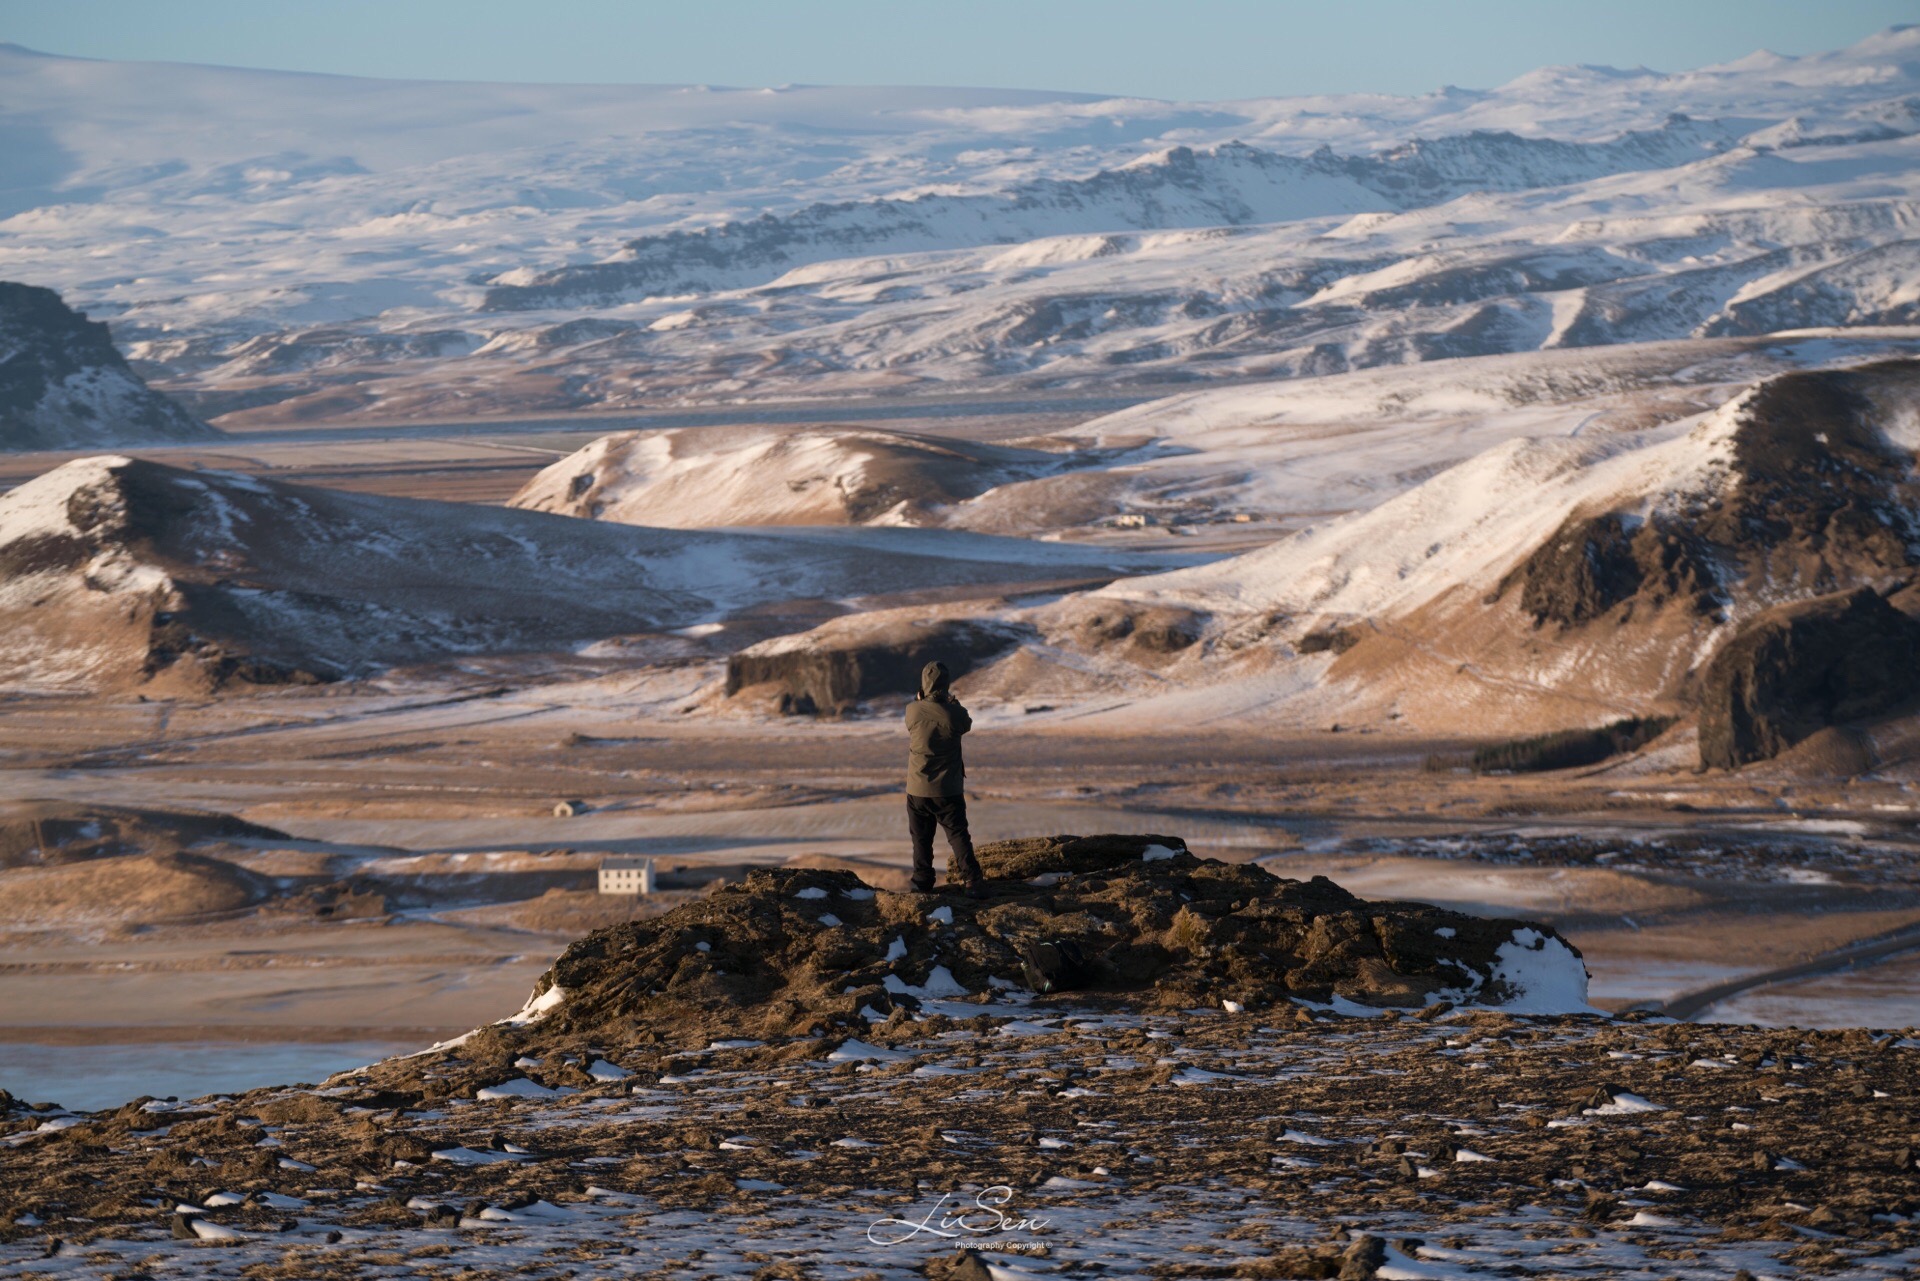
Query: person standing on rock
point(936, 782)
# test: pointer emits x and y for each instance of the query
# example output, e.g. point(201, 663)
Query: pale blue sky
point(1194, 49)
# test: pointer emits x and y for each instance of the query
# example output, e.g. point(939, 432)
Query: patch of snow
point(1543, 974)
point(1624, 1104)
point(757, 1185)
point(852, 1051)
point(519, 1088)
point(538, 1007)
point(940, 983)
point(1311, 1140)
point(210, 1231)
point(471, 1156)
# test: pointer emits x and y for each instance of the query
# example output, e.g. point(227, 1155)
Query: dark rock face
point(1823, 499)
point(1801, 667)
point(63, 383)
point(1592, 564)
point(793, 949)
point(1583, 571)
point(1151, 632)
point(1818, 501)
point(830, 678)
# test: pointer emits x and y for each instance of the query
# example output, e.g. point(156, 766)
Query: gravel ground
point(1072, 1139)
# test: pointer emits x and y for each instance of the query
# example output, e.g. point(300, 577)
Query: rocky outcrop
point(1819, 500)
point(833, 674)
point(1804, 666)
point(64, 385)
point(793, 949)
point(1142, 633)
point(1594, 563)
point(1822, 498)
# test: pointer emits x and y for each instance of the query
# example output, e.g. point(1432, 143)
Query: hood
point(934, 680)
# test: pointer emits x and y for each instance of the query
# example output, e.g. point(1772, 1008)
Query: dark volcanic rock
point(1823, 498)
point(1801, 667)
point(1031, 856)
point(1818, 500)
point(63, 383)
point(793, 950)
point(832, 677)
point(1592, 564)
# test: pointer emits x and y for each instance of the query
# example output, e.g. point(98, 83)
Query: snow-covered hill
point(689, 478)
point(63, 384)
point(117, 572)
point(1622, 535)
point(1225, 186)
point(1266, 458)
point(1740, 243)
point(288, 245)
point(1582, 577)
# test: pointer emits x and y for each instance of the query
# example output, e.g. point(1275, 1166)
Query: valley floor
point(440, 798)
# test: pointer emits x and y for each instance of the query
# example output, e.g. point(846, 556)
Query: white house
point(626, 874)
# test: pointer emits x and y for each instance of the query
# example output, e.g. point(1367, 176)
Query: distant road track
point(1689, 1005)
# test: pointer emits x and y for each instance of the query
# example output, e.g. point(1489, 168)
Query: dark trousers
point(924, 813)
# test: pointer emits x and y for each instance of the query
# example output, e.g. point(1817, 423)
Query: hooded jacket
point(935, 722)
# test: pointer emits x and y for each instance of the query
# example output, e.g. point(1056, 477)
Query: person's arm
point(961, 721)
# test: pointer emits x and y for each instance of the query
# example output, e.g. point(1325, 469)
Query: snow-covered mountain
point(63, 384)
point(284, 246)
point(1225, 186)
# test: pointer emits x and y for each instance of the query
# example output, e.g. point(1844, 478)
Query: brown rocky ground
point(1174, 1145)
point(1098, 1132)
